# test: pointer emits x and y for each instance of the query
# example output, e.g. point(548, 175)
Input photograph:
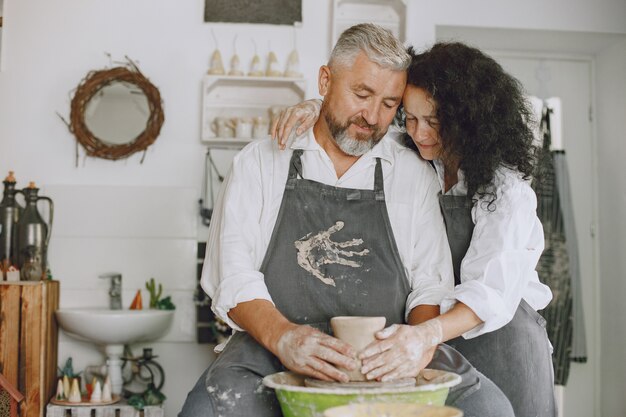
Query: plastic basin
point(296, 400)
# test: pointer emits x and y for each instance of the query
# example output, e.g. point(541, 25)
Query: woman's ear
point(323, 82)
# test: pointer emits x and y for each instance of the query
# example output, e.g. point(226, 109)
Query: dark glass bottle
point(10, 212)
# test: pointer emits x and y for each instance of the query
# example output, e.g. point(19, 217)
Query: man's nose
point(371, 113)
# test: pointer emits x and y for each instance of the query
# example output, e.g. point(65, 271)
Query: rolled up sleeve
point(500, 262)
point(230, 274)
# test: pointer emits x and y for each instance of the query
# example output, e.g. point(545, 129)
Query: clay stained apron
point(333, 253)
point(515, 357)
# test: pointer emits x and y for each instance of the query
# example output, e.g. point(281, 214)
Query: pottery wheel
point(398, 383)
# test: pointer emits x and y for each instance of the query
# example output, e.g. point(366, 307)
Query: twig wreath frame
point(89, 87)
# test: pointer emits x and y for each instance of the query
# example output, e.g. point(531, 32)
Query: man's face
point(360, 102)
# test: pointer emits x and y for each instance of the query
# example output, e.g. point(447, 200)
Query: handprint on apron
point(319, 249)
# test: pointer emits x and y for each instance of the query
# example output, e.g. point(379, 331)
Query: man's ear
point(323, 82)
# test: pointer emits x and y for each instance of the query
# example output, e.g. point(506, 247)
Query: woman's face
point(421, 121)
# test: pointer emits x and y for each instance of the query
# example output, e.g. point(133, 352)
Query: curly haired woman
point(464, 113)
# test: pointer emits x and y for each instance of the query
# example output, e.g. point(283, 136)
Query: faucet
point(115, 291)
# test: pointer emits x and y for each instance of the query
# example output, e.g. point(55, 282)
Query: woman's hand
point(302, 116)
point(401, 351)
point(308, 351)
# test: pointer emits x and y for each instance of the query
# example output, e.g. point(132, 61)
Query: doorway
point(570, 79)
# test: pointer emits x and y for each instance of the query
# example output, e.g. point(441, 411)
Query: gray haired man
point(344, 223)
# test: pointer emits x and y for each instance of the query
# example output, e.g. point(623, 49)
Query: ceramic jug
point(10, 212)
point(33, 233)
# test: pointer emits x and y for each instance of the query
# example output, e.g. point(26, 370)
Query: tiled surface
point(131, 212)
point(141, 232)
point(77, 262)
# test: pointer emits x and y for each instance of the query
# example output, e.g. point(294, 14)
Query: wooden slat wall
point(28, 341)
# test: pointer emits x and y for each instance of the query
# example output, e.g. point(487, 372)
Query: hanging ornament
point(217, 66)
point(292, 69)
point(255, 65)
point(234, 61)
point(272, 66)
point(293, 65)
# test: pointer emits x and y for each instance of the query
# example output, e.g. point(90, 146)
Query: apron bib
point(515, 357)
point(332, 253)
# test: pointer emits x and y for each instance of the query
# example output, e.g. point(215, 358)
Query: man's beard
point(358, 145)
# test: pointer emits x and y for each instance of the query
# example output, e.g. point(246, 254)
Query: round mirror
point(116, 112)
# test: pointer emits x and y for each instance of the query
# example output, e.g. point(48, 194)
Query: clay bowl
point(297, 400)
point(392, 410)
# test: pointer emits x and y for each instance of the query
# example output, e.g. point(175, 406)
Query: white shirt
point(247, 207)
point(498, 269)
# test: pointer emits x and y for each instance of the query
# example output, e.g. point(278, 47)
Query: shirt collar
point(382, 150)
point(457, 189)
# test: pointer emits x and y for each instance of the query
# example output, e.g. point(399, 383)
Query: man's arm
point(300, 348)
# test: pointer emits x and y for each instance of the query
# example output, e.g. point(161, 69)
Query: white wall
point(611, 82)
point(48, 47)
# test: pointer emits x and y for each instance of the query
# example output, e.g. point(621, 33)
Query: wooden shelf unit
point(29, 341)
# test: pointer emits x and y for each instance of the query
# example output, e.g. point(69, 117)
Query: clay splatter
point(317, 250)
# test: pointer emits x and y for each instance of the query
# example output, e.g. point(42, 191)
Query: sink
point(114, 327)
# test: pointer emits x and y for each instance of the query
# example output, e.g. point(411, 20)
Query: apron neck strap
point(295, 171)
point(295, 165)
point(379, 184)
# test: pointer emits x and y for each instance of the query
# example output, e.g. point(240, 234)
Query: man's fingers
point(336, 358)
point(328, 370)
point(308, 370)
point(338, 345)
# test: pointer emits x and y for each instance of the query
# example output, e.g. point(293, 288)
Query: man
point(346, 222)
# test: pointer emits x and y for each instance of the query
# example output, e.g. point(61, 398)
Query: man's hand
point(402, 351)
point(308, 351)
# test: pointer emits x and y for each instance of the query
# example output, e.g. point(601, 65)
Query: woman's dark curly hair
point(482, 112)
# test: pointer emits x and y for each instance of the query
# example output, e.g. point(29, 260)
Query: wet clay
point(359, 332)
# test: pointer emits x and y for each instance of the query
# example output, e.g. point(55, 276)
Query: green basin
point(296, 400)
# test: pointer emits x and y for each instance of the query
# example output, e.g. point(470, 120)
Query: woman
point(464, 113)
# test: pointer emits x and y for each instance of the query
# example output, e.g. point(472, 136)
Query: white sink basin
point(114, 327)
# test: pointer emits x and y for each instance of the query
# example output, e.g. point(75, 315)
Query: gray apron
point(332, 252)
point(517, 356)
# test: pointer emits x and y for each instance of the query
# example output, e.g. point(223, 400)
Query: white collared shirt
point(498, 269)
point(248, 203)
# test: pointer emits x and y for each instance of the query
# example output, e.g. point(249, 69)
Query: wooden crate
point(115, 410)
point(29, 341)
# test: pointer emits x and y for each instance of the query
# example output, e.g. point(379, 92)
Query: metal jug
point(33, 235)
point(10, 212)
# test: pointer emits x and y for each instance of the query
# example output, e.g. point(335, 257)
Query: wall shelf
point(233, 97)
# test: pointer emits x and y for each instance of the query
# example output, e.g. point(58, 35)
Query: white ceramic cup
point(222, 127)
point(260, 127)
point(243, 128)
point(359, 332)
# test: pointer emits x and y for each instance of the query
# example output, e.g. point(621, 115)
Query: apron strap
point(295, 169)
point(379, 184)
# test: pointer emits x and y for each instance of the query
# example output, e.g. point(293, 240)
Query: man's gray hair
point(377, 43)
